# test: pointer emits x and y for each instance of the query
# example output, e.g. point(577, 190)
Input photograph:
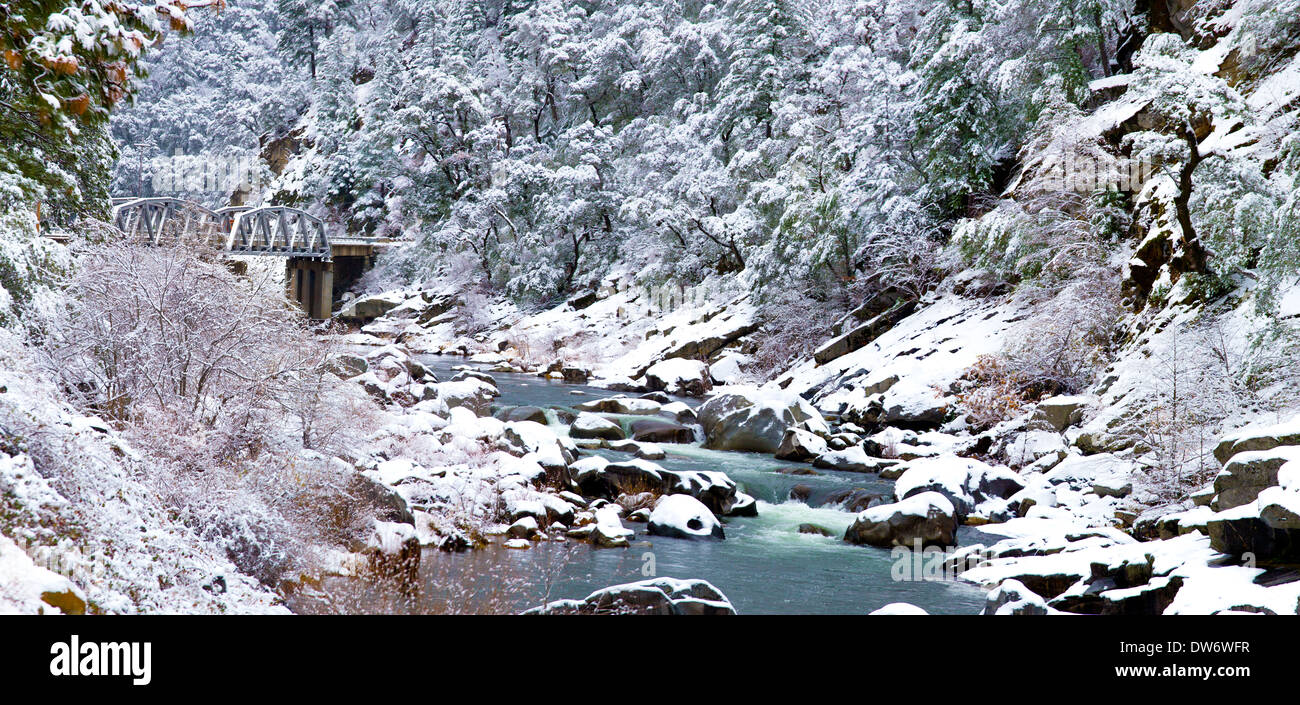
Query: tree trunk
point(1192, 249)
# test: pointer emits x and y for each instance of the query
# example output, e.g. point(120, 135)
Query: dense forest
point(1045, 246)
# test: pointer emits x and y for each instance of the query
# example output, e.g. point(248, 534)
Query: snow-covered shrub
point(1068, 339)
point(29, 263)
point(791, 326)
point(169, 338)
point(989, 393)
point(1060, 347)
point(473, 315)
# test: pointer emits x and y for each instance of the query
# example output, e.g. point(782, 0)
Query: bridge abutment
point(311, 284)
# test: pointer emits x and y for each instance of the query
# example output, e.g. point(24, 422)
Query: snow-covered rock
point(608, 530)
point(727, 368)
point(799, 445)
point(1027, 448)
point(928, 518)
point(1060, 412)
point(661, 431)
point(1247, 473)
point(679, 376)
point(588, 425)
point(1012, 597)
point(851, 459)
point(966, 482)
point(1260, 438)
point(620, 405)
point(746, 421)
point(26, 588)
point(364, 309)
point(473, 394)
point(900, 608)
point(683, 516)
point(1081, 471)
point(654, 596)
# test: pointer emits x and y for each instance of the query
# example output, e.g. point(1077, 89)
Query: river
point(765, 566)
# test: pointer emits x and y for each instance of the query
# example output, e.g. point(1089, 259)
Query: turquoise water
point(765, 566)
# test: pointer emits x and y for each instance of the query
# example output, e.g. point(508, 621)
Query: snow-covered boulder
point(661, 431)
point(1080, 471)
point(364, 309)
point(463, 375)
point(679, 376)
point(1060, 412)
point(608, 531)
point(1258, 439)
point(1022, 449)
point(679, 412)
point(1280, 508)
point(928, 517)
point(523, 413)
point(799, 445)
point(473, 394)
point(966, 482)
point(743, 505)
point(851, 459)
point(754, 420)
point(714, 489)
point(1118, 484)
point(727, 368)
point(620, 405)
point(589, 425)
point(347, 365)
point(645, 451)
point(26, 588)
point(1267, 527)
point(1248, 473)
point(613, 479)
point(654, 596)
point(393, 549)
point(684, 517)
point(523, 528)
point(900, 608)
point(1012, 597)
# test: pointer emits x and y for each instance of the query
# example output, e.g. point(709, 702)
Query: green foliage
point(64, 66)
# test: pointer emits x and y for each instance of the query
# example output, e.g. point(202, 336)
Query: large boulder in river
point(655, 431)
point(593, 426)
point(654, 596)
point(799, 446)
point(714, 489)
point(609, 480)
point(523, 413)
point(755, 420)
point(684, 517)
point(679, 376)
point(929, 518)
point(965, 482)
point(759, 428)
point(620, 405)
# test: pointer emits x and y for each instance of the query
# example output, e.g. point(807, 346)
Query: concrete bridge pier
point(311, 284)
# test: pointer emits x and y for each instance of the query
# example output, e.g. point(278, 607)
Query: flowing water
point(765, 565)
